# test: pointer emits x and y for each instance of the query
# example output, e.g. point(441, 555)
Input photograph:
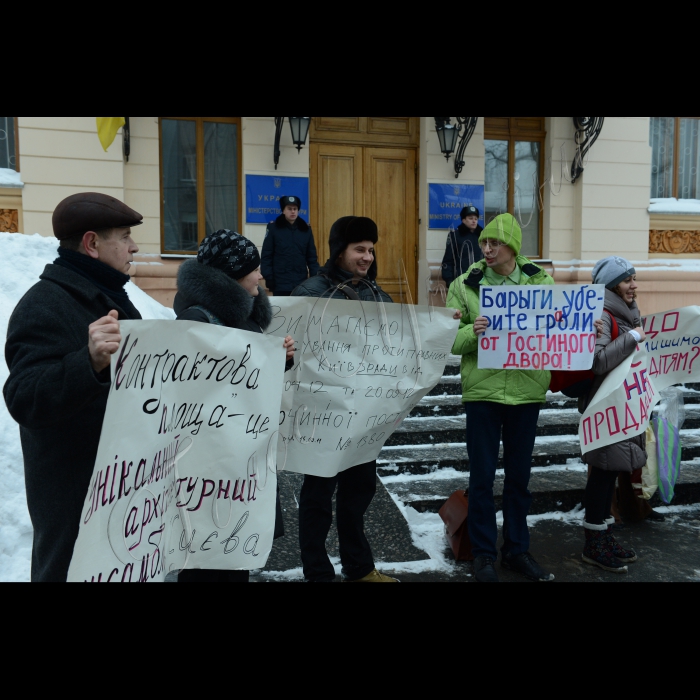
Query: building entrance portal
point(367, 166)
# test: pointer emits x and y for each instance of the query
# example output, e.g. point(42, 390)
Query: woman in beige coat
point(614, 346)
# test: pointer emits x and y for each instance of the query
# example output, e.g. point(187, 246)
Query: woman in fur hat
point(621, 333)
point(222, 287)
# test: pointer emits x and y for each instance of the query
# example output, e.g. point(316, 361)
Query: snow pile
point(675, 206)
point(22, 260)
point(10, 178)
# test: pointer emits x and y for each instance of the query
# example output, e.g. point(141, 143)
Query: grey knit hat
point(229, 252)
point(612, 271)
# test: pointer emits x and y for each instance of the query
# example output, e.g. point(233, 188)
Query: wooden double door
point(367, 166)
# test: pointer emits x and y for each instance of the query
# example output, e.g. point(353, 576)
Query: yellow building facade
point(637, 196)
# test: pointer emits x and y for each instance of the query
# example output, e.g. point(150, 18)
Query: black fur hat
point(290, 202)
point(349, 230)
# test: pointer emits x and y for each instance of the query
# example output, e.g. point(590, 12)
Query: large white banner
point(361, 368)
point(540, 328)
point(185, 476)
point(622, 407)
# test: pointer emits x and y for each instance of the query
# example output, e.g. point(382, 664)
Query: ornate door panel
point(390, 199)
point(368, 131)
point(336, 189)
point(366, 166)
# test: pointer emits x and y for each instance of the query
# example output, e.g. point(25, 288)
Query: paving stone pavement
point(668, 553)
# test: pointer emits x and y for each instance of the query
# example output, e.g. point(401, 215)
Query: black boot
point(485, 570)
point(526, 566)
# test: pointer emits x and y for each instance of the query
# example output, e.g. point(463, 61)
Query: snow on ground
point(22, 260)
point(10, 178)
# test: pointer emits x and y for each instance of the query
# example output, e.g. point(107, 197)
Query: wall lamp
point(300, 131)
point(587, 132)
point(455, 138)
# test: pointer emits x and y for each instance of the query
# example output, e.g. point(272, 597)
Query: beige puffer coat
point(628, 455)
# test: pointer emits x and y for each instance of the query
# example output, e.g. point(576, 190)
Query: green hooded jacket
point(509, 387)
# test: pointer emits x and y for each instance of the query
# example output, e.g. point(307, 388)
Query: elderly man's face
point(117, 250)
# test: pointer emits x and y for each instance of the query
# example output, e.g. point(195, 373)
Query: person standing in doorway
point(60, 342)
point(501, 405)
point(462, 246)
point(289, 254)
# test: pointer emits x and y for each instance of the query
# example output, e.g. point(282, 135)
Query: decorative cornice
point(674, 242)
point(9, 220)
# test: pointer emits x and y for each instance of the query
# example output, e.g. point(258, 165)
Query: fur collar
point(200, 285)
point(281, 222)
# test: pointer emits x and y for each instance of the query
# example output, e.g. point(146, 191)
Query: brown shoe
point(374, 577)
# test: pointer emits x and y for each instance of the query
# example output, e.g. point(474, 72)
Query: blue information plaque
point(264, 193)
point(447, 202)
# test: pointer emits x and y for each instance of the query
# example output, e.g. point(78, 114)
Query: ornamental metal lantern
point(451, 135)
point(300, 132)
point(448, 134)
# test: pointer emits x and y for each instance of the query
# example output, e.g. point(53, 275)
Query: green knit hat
point(506, 229)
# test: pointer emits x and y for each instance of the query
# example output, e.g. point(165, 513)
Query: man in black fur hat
point(60, 341)
point(350, 273)
point(289, 254)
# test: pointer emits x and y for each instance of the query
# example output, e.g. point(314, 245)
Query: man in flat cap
point(60, 341)
point(289, 254)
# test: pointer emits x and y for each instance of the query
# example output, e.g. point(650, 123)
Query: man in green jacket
point(501, 405)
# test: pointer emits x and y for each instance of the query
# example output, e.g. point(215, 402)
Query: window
point(200, 179)
point(514, 173)
point(9, 157)
point(675, 148)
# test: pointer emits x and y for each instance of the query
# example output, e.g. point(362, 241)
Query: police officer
point(462, 246)
point(289, 254)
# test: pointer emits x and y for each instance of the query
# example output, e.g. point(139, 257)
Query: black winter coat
point(203, 286)
point(289, 255)
point(331, 276)
point(462, 252)
point(59, 402)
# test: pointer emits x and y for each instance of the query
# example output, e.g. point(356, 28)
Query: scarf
point(108, 280)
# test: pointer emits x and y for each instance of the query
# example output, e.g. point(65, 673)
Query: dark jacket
point(230, 305)
point(627, 455)
point(289, 255)
point(331, 276)
point(462, 252)
point(59, 402)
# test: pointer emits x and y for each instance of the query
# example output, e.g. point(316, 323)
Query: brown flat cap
point(90, 211)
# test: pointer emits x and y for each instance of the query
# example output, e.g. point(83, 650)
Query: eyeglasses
point(491, 243)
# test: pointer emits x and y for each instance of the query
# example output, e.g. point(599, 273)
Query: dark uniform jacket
point(324, 284)
point(208, 295)
point(462, 252)
point(59, 402)
point(289, 255)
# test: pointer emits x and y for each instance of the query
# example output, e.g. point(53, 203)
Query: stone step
point(441, 429)
point(555, 450)
point(559, 488)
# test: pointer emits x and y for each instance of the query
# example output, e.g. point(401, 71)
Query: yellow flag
point(107, 128)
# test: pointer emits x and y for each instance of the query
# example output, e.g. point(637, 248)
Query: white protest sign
point(624, 403)
point(361, 368)
point(540, 328)
point(185, 476)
